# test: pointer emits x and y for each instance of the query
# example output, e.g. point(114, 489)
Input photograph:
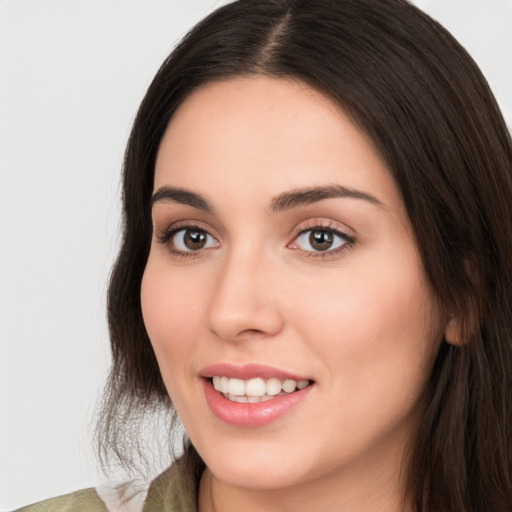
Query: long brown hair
point(422, 100)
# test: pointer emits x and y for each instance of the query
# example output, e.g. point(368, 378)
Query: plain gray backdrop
point(72, 73)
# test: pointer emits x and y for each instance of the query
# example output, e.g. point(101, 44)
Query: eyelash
point(322, 226)
point(349, 241)
point(171, 231)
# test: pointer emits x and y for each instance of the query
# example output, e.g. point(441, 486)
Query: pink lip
point(248, 371)
point(246, 414)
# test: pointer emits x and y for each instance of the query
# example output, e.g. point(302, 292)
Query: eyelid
point(165, 235)
point(164, 230)
point(323, 225)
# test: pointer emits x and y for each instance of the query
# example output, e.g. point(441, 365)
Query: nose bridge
point(244, 301)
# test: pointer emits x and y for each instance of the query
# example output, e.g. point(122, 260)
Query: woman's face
point(282, 252)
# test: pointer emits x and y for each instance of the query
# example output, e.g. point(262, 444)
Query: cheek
point(375, 324)
point(376, 336)
point(172, 318)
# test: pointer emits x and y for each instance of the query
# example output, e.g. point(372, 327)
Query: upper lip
point(247, 371)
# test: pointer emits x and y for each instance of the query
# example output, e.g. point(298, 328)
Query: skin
point(360, 319)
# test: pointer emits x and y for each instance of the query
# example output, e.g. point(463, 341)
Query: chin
point(254, 467)
point(255, 476)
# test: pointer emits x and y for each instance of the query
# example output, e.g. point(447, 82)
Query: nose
point(245, 302)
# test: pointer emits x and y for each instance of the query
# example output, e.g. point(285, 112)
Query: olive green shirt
point(166, 493)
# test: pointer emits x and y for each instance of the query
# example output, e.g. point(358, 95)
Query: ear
point(453, 332)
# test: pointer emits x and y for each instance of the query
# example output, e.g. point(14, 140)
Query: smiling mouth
point(256, 390)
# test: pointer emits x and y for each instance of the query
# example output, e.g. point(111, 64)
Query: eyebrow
point(180, 196)
point(283, 202)
point(309, 195)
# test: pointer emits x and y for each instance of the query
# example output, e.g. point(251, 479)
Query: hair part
point(421, 99)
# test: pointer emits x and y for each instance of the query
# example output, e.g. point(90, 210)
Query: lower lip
point(251, 415)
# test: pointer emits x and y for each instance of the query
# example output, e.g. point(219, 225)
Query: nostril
point(251, 332)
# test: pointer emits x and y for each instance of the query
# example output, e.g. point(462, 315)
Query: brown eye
point(192, 240)
point(321, 240)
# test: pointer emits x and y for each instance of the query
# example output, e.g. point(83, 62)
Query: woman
point(316, 267)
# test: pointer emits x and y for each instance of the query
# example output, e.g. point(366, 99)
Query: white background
point(72, 73)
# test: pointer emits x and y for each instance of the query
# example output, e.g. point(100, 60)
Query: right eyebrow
point(180, 196)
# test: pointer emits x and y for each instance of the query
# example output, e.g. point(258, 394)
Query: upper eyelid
point(337, 231)
point(166, 227)
point(323, 223)
point(166, 238)
point(331, 229)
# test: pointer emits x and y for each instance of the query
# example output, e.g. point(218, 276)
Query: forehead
point(273, 134)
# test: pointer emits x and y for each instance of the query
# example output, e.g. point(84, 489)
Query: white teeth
point(257, 389)
point(289, 385)
point(273, 386)
point(236, 398)
point(236, 387)
point(301, 384)
point(224, 384)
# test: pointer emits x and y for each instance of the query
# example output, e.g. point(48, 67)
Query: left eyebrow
point(309, 195)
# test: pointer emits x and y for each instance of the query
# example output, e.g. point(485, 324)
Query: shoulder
point(122, 498)
point(86, 500)
point(169, 492)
